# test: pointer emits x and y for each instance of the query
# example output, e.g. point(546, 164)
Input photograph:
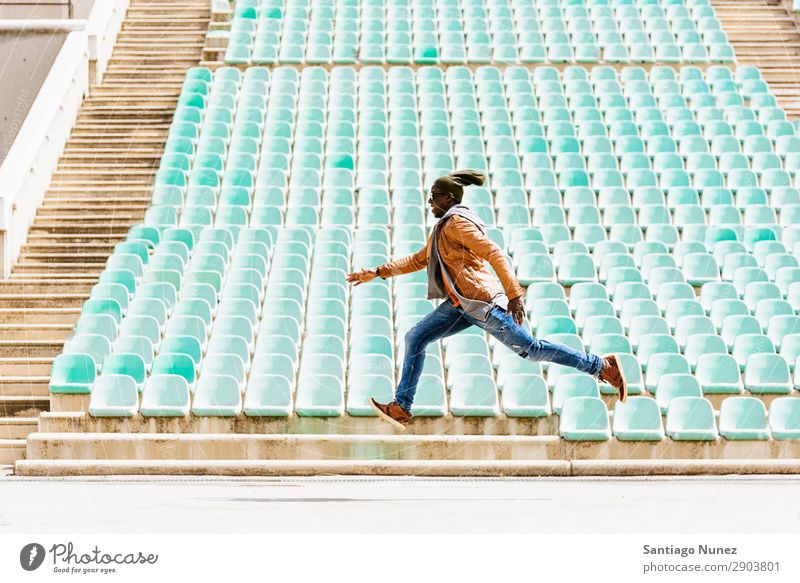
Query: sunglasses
point(435, 194)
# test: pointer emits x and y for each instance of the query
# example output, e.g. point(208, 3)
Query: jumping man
point(454, 257)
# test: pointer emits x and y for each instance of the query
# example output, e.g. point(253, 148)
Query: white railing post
point(26, 172)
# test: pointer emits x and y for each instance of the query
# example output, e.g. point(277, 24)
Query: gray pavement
point(739, 504)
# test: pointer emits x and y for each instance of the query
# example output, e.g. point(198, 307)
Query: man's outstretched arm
point(408, 264)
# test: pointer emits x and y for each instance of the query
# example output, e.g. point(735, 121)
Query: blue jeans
point(448, 319)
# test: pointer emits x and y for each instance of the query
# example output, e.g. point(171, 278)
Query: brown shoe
point(392, 413)
point(613, 375)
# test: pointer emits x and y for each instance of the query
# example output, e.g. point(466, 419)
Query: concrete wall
point(25, 60)
point(45, 9)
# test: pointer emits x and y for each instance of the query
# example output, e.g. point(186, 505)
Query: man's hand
point(516, 309)
point(363, 276)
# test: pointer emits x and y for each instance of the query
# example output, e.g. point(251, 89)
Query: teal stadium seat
point(584, 419)
point(691, 419)
point(217, 396)
point(114, 396)
point(638, 419)
point(784, 418)
point(743, 418)
point(165, 395)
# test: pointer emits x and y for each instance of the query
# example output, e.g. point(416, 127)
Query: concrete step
point(110, 154)
point(11, 367)
point(99, 176)
point(45, 270)
point(30, 348)
point(24, 386)
point(47, 288)
point(101, 247)
point(17, 427)
point(113, 226)
point(92, 217)
point(76, 420)
point(31, 316)
point(64, 201)
point(416, 468)
point(74, 274)
point(32, 260)
point(40, 301)
point(23, 406)
point(89, 208)
point(370, 448)
point(11, 450)
point(123, 163)
point(35, 332)
point(112, 191)
point(66, 241)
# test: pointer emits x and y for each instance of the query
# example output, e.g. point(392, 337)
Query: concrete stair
point(100, 188)
point(764, 34)
point(53, 454)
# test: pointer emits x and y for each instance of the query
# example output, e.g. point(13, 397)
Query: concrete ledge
point(69, 403)
point(471, 468)
point(290, 468)
point(43, 25)
point(682, 467)
point(66, 417)
point(347, 448)
point(11, 450)
point(148, 446)
point(472, 66)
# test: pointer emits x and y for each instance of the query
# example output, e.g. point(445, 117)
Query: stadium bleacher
point(475, 31)
point(610, 185)
point(650, 211)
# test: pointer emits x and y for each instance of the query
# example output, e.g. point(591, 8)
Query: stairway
point(764, 34)
point(100, 188)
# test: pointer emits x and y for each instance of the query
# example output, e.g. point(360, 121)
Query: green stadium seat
point(319, 395)
point(362, 387)
point(474, 395)
point(743, 418)
point(165, 395)
point(718, 373)
point(691, 419)
point(573, 385)
point(736, 325)
point(188, 345)
point(663, 363)
point(217, 396)
point(224, 364)
point(784, 418)
point(430, 399)
point(767, 373)
point(638, 419)
point(72, 373)
point(268, 395)
point(584, 419)
point(101, 324)
point(747, 345)
point(131, 365)
point(96, 346)
point(525, 395)
point(671, 386)
point(114, 396)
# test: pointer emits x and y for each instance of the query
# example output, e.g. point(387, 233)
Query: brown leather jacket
point(463, 249)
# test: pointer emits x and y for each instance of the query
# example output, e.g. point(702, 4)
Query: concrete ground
point(754, 504)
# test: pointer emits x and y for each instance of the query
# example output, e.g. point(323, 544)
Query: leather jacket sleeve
point(414, 262)
point(469, 235)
